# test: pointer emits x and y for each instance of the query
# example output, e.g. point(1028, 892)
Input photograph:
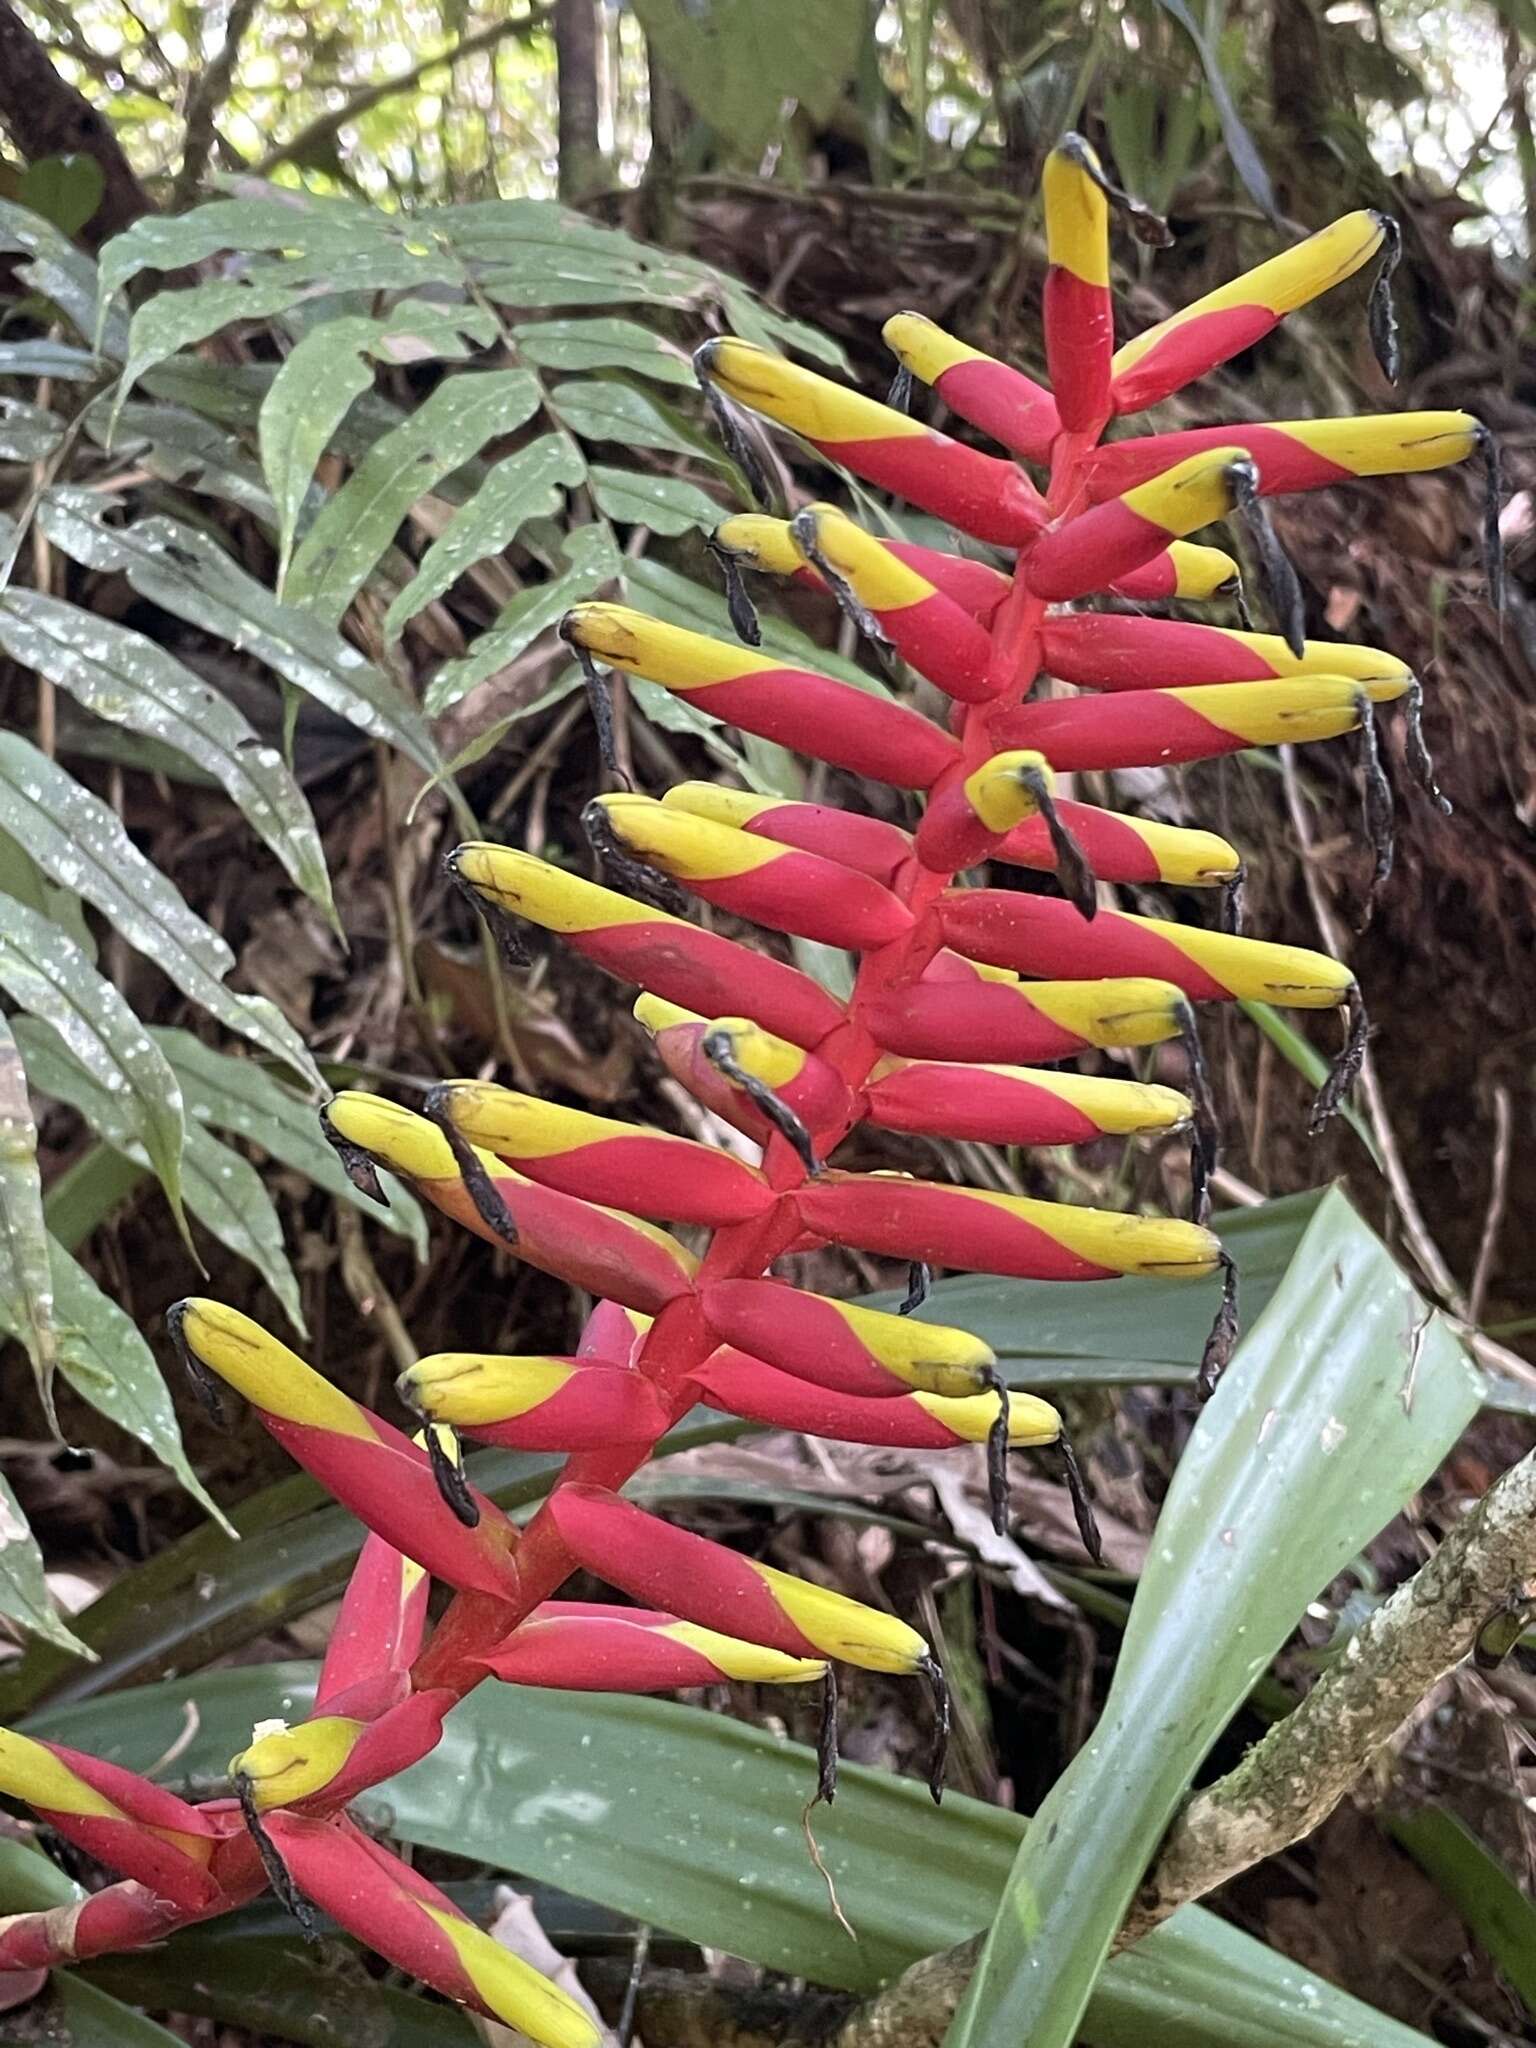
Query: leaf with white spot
point(131, 681)
point(524, 486)
point(78, 840)
point(354, 527)
point(26, 1287)
point(47, 975)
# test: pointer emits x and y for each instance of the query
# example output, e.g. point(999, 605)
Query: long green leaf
point(354, 528)
point(176, 320)
point(43, 357)
point(528, 485)
point(80, 841)
point(1241, 147)
point(230, 1093)
point(600, 409)
point(184, 448)
point(666, 504)
point(175, 566)
point(131, 681)
point(605, 345)
point(1340, 1402)
point(270, 217)
point(591, 560)
point(24, 1595)
point(26, 1285)
point(28, 433)
point(313, 391)
point(59, 271)
point(223, 1190)
point(690, 1821)
point(47, 975)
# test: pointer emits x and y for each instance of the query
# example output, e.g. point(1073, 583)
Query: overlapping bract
point(962, 996)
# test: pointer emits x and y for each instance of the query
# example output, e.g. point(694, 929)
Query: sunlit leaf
point(131, 681)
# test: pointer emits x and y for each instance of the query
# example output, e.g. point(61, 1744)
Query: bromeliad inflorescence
point(961, 994)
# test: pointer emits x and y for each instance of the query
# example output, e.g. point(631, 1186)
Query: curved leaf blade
point(78, 840)
point(591, 561)
point(47, 975)
point(26, 1285)
point(24, 1595)
point(130, 681)
point(1340, 1402)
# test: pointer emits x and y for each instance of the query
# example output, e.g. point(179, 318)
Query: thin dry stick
point(1498, 1197)
point(1415, 1229)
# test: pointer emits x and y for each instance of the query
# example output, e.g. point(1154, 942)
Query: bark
point(206, 101)
point(45, 116)
point(581, 160)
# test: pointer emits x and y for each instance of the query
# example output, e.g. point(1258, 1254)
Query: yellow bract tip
point(1000, 791)
point(845, 1628)
point(1030, 1420)
point(287, 1767)
point(469, 1388)
point(262, 1368)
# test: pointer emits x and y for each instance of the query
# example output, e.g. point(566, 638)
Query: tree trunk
point(581, 160)
point(45, 116)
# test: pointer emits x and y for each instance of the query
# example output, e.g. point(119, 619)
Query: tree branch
point(325, 126)
point(1292, 1780)
point(205, 100)
point(45, 116)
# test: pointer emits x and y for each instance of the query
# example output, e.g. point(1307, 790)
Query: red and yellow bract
point(960, 993)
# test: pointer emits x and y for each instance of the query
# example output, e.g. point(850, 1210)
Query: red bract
point(958, 991)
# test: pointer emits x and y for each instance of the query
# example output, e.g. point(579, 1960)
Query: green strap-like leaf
point(176, 320)
point(1342, 1399)
point(131, 681)
point(604, 345)
point(59, 271)
point(235, 1094)
point(26, 1286)
point(601, 410)
point(184, 448)
point(47, 975)
point(528, 485)
point(313, 391)
point(174, 566)
point(78, 840)
point(272, 218)
point(591, 561)
point(28, 433)
point(224, 1191)
point(666, 504)
point(24, 1595)
point(355, 527)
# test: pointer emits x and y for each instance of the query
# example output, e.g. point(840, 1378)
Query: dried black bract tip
point(449, 1475)
point(1493, 500)
point(1420, 760)
point(1382, 314)
point(356, 1164)
point(740, 444)
point(1232, 902)
point(595, 682)
point(1225, 1331)
point(997, 1455)
point(1078, 882)
point(1205, 1130)
point(718, 1050)
point(1239, 597)
point(919, 1286)
point(284, 1889)
point(899, 397)
point(826, 1741)
point(207, 1388)
point(633, 877)
point(505, 932)
point(1146, 225)
point(483, 1191)
point(1281, 586)
point(745, 623)
point(849, 603)
point(1082, 1499)
point(1342, 1075)
point(938, 1756)
point(1378, 801)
